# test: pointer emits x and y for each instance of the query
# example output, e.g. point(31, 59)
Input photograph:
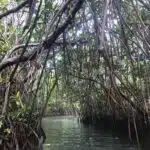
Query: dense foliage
point(63, 56)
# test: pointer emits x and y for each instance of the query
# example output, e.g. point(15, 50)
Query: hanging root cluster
point(119, 117)
point(18, 136)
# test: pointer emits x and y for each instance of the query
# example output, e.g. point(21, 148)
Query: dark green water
point(65, 133)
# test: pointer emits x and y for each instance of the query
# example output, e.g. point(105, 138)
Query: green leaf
point(1, 27)
point(8, 131)
point(1, 123)
point(11, 29)
point(49, 5)
point(18, 98)
point(25, 108)
point(5, 2)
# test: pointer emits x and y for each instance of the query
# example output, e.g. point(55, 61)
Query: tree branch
point(18, 47)
point(14, 9)
point(47, 44)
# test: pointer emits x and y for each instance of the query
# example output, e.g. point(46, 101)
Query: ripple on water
point(65, 133)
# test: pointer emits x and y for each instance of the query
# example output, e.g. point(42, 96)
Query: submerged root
point(18, 136)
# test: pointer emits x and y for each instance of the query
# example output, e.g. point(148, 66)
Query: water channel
point(66, 133)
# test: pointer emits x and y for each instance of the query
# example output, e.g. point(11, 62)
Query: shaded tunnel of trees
point(87, 57)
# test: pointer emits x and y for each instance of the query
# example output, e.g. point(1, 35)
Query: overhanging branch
point(14, 9)
point(57, 43)
point(47, 44)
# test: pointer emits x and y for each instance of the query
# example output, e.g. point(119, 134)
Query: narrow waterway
point(66, 133)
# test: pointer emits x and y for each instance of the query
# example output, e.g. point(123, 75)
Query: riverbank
point(122, 125)
point(132, 127)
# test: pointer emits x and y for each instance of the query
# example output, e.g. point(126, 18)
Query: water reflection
point(65, 133)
